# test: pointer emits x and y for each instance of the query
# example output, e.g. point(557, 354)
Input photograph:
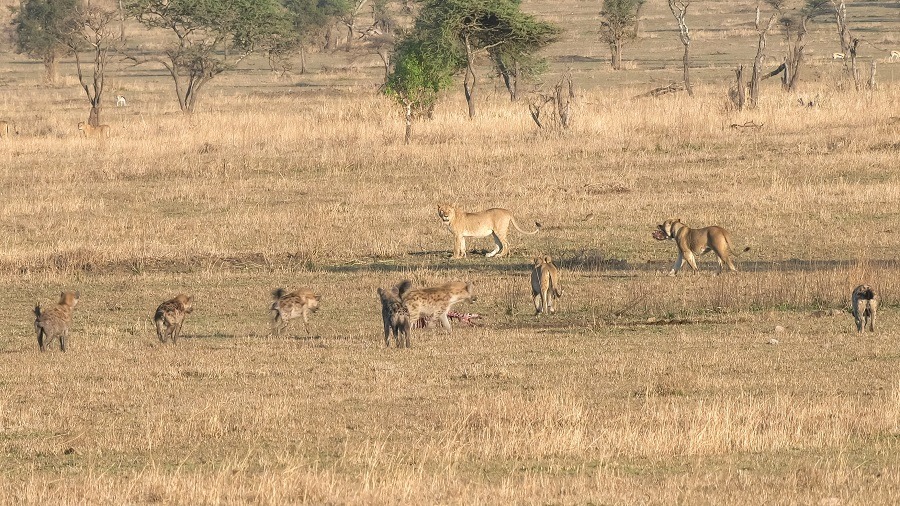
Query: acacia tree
point(618, 26)
point(466, 29)
point(42, 30)
point(202, 29)
point(95, 37)
point(419, 74)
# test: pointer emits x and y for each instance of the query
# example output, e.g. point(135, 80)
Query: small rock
point(772, 341)
point(69, 451)
point(779, 329)
point(651, 320)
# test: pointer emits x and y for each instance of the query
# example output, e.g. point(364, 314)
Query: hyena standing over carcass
point(436, 301)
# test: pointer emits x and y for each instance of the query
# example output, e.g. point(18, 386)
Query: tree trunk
point(757, 63)
point(740, 91)
point(469, 82)
point(871, 82)
point(51, 65)
point(408, 133)
point(687, 70)
point(94, 116)
point(616, 49)
point(854, 70)
point(330, 38)
point(350, 26)
point(302, 60)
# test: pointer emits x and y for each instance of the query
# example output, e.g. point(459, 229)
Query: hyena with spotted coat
point(436, 301)
point(394, 314)
point(54, 323)
point(169, 317)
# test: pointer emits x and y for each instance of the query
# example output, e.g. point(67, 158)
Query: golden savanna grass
point(642, 389)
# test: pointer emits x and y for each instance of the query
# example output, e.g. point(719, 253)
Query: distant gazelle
point(837, 56)
point(120, 101)
point(895, 55)
point(100, 131)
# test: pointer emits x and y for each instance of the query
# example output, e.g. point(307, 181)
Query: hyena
point(436, 301)
point(170, 315)
point(864, 306)
point(394, 314)
point(544, 284)
point(287, 306)
point(54, 322)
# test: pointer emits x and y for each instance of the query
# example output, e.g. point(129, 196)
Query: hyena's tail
point(404, 287)
point(536, 224)
point(278, 293)
point(37, 312)
point(159, 316)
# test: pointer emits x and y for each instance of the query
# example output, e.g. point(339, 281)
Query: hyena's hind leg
point(870, 314)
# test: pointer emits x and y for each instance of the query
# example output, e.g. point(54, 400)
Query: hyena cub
point(394, 314)
point(544, 284)
point(287, 306)
point(170, 315)
point(864, 307)
point(54, 323)
point(436, 301)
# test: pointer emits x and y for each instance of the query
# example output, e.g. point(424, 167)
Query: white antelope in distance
point(837, 56)
point(120, 101)
point(895, 55)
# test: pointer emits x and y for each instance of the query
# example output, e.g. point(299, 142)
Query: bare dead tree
point(871, 82)
point(561, 98)
point(349, 20)
point(840, 17)
point(679, 10)
point(757, 62)
point(97, 38)
point(738, 93)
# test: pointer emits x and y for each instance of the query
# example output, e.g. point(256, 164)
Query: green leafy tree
point(464, 29)
point(205, 31)
point(43, 29)
point(419, 74)
point(618, 26)
point(314, 19)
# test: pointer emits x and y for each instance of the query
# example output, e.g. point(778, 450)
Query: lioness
point(544, 284)
point(494, 222)
point(101, 131)
point(864, 306)
point(696, 241)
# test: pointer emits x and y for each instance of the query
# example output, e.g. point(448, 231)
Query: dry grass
point(643, 389)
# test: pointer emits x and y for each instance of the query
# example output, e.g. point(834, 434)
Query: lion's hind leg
point(499, 247)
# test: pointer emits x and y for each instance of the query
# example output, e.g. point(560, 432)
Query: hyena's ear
point(677, 220)
point(537, 261)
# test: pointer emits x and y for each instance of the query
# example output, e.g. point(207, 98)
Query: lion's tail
point(536, 224)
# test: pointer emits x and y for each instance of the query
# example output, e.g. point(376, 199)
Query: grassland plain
point(643, 389)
